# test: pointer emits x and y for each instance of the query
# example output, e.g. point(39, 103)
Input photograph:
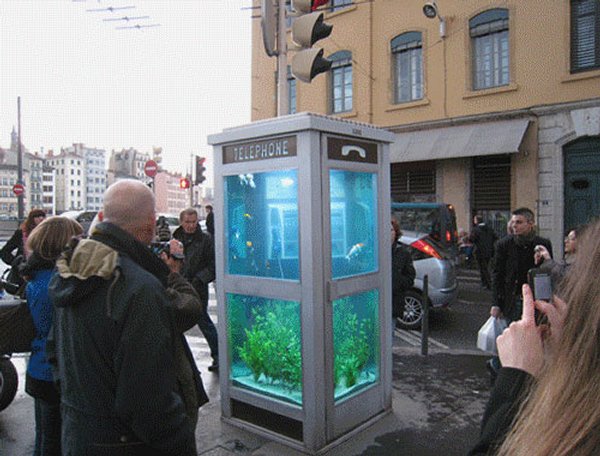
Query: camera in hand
point(160, 247)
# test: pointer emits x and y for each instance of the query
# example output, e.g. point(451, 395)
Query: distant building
point(94, 174)
point(127, 164)
point(170, 198)
point(33, 173)
point(69, 180)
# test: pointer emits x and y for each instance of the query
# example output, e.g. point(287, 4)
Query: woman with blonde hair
point(551, 373)
point(45, 243)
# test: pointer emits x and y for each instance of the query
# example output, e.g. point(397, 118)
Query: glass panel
point(262, 224)
point(353, 209)
point(355, 343)
point(265, 346)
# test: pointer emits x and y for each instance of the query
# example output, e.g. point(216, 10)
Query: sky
point(83, 81)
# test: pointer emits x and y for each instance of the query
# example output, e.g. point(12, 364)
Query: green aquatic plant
point(351, 343)
point(273, 346)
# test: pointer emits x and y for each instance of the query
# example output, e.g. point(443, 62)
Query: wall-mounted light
point(430, 10)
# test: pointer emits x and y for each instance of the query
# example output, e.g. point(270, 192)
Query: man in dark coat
point(114, 336)
point(483, 237)
point(403, 271)
point(513, 258)
point(199, 270)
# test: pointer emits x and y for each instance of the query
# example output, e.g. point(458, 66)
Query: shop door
point(582, 181)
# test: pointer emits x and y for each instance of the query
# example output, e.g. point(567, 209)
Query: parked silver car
point(429, 258)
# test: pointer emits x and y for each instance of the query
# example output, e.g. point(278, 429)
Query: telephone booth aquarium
point(303, 245)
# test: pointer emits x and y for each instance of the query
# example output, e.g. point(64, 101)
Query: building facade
point(127, 164)
point(170, 198)
point(94, 176)
point(34, 179)
point(495, 104)
point(69, 167)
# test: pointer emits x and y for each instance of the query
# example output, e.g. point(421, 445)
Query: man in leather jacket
point(199, 270)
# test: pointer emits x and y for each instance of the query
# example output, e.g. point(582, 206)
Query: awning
point(490, 138)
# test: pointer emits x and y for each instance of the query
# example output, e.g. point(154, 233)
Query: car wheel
point(412, 315)
point(9, 381)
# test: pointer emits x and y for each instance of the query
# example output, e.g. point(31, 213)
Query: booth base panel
point(287, 431)
point(275, 422)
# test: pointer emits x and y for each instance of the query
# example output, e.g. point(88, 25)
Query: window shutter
point(585, 35)
point(491, 183)
point(413, 181)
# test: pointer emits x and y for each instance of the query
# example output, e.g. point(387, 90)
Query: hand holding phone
point(540, 283)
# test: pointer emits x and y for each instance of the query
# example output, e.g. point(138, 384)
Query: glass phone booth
point(302, 212)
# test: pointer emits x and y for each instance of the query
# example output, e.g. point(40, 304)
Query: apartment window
point(407, 55)
point(585, 35)
point(489, 38)
point(341, 82)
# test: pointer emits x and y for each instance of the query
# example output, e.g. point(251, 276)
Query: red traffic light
point(184, 183)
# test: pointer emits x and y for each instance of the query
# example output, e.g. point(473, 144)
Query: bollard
point(425, 321)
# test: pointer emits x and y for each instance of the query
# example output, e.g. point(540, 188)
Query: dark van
point(436, 219)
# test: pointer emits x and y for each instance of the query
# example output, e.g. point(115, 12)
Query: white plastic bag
point(491, 329)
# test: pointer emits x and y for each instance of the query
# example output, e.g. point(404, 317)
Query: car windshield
point(419, 219)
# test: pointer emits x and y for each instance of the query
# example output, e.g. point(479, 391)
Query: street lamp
point(430, 10)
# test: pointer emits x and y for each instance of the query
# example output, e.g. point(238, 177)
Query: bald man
point(114, 338)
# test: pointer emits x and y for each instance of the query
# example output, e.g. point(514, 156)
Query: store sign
point(349, 150)
point(260, 150)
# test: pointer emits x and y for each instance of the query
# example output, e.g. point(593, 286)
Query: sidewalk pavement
point(438, 402)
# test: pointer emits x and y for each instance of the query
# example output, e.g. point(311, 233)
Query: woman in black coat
point(19, 237)
point(403, 271)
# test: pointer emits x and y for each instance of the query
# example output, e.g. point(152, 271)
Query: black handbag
point(16, 328)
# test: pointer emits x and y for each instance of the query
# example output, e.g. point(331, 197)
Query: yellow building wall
point(539, 62)
point(454, 188)
point(524, 172)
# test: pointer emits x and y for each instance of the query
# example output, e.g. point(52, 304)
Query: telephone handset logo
point(346, 150)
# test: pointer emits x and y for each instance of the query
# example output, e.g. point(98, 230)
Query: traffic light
point(184, 183)
point(200, 170)
point(307, 29)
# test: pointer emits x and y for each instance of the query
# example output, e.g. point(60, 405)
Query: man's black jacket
point(513, 257)
point(199, 262)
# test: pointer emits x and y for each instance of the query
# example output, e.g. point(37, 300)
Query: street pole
point(191, 181)
point(283, 103)
point(21, 211)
